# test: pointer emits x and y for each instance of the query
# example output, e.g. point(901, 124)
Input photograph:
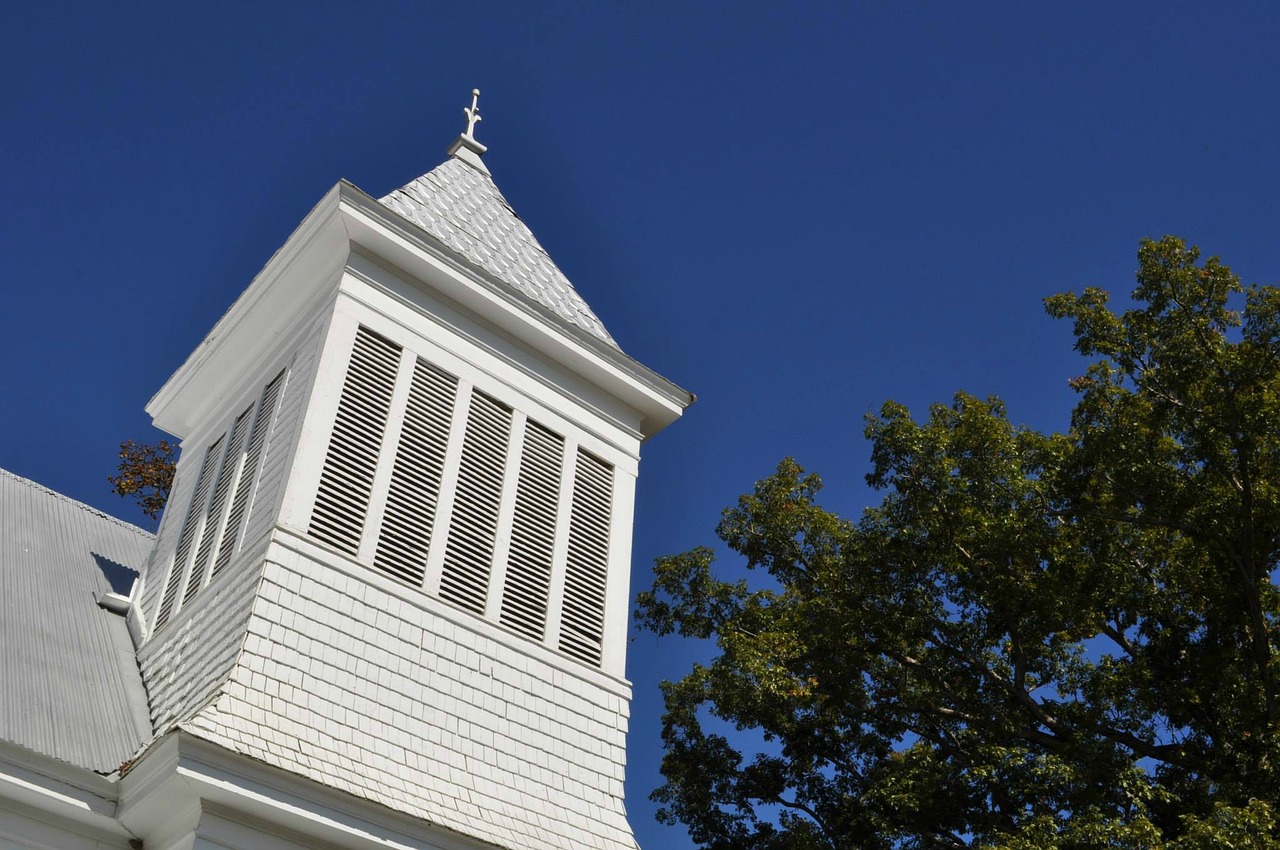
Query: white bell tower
point(396, 560)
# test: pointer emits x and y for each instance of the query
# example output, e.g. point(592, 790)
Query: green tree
point(146, 474)
point(1034, 640)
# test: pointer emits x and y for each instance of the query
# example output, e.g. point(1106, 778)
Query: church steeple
point(397, 557)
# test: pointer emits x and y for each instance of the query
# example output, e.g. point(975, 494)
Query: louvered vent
point(582, 615)
point(470, 474)
point(469, 552)
point(533, 532)
point(345, 483)
point(195, 513)
point(244, 481)
point(221, 488)
point(415, 479)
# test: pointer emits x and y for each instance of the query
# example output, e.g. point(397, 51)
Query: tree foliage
point(1034, 640)
point(145, 473)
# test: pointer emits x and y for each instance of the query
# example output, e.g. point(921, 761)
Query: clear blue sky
point(795, 211)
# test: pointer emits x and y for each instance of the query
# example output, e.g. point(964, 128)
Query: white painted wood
point(22, 828)
point(211, 534)
point(236, 483)
point(240, 510)
point(448, 489)
point(413, 493)
point(387, 457)
point(587, 562)
point(188, 544)
point(506, 511)
point(441, 334)
point(657, 400)
point(279, 452)
point(317, 424)
point(618, 591)
point(561, 551)
point(525, 588)
point(454, 718)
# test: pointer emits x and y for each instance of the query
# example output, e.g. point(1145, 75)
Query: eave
point(304, 272)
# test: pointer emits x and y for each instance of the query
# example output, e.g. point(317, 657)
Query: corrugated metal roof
point(463, 208)
point(71, 687)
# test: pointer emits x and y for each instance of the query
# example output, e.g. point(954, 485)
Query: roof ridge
point(76, 502)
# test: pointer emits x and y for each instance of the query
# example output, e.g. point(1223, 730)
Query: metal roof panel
point(72, 689)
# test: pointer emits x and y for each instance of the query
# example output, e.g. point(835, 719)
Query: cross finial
point(473, 114)
point(465, 147)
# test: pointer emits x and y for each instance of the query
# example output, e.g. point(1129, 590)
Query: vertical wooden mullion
point(617, 598)
point(448, 488)
point(506, 516)
point(386, 457)
point(560, 550)
point(302, 482)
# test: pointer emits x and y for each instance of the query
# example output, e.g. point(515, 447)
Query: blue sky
point(794, 211)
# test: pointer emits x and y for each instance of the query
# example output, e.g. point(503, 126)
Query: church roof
point(71, 689)
point(459, 204)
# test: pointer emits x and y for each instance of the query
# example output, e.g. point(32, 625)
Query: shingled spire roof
point(458, 203)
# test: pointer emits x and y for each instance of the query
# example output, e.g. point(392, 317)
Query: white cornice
point(301, 277)
point(385, 233)
point(278, 302)
point(190, 774)
point(58, 789)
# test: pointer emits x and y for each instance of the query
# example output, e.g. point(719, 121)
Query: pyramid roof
point(458, 203)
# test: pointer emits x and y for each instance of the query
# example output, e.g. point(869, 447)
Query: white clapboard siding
point(217, 505)
point(468, 556)
point(190, 525)
point(414, 493)
point(533, 532)
point(587, 566)
point(246, 476)
point(347, 478)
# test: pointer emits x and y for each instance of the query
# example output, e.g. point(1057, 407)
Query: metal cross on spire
point(473, 114)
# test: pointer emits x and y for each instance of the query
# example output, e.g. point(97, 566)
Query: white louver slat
point(469, 551)
point(221, 487)
point(195, 513)
point(533, 531)
point(521, 516)
point(349, 465)
point(410, 512)
point(244, 481)
point(587, 567)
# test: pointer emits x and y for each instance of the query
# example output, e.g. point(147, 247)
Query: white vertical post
point(560, 548)
point(506, 517)
point(617, 592)
point(317, 421)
